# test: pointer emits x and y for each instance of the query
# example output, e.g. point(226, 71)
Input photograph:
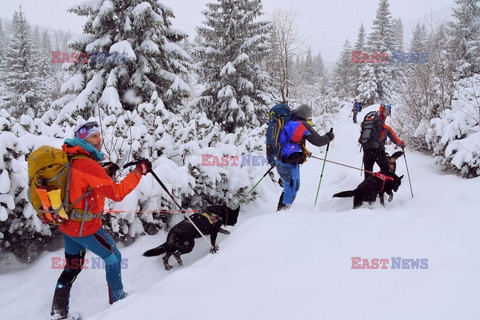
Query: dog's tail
point(344, 194)
point(155, 251)
point(396, 155)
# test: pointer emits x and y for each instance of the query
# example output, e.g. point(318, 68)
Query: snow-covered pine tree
point(133, 52)
point(234, 44)
point(319, 73)
point(357, 67)
point(273, 61)
point(379, 76)
point(2, 45)
point(368, 88)
point(20, 69)
point(454, 136)
point(342, 79)
point(397, 28)
point(308, 68)
point(21, 232)
point(464, 32)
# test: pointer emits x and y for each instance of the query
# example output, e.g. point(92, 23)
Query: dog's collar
point(382, 177)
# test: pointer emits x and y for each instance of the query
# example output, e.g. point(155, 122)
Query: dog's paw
point(179, 260)
point(214, 249)
point(390, 198)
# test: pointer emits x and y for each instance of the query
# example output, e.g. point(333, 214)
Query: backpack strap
point(76, 214)
point(276, 134)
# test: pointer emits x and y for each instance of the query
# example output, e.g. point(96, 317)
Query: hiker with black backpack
point(374, 133)
point(357, 107)
point(292, 151)
point(89, 185)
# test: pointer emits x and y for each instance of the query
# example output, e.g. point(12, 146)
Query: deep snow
point(297, 264)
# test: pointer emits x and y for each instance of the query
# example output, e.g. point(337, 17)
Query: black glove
point(111, 168)
point(214, 249)
point(330, 134)
point(143, 166)
point(272, 163)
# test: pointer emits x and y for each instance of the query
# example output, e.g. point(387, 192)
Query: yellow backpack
point(49, 184)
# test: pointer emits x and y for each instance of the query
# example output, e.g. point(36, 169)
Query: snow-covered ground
point(297, 264)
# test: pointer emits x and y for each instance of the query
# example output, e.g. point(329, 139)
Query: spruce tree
point(19, 67)
point(234, 44)
point(342, 74)
point(465, 37)
point(133, 52)
point(308, 68)
point(357, 67)
point(381, 40)
point(397, 29)
point(2, 45)
point(319, 69)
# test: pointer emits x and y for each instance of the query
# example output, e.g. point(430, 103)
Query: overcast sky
point(324, 24)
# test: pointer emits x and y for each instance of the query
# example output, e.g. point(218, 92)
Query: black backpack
point(371, 129)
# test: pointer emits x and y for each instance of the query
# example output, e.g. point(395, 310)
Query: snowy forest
point(173, 98)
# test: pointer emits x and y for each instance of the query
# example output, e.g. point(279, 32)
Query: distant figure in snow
point(357, 107)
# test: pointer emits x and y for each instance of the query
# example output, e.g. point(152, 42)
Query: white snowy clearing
point(297, 264)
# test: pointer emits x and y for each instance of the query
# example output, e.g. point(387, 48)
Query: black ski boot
point(60, 302)
point(280, 205)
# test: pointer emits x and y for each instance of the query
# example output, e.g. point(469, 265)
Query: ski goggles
point(87, 129)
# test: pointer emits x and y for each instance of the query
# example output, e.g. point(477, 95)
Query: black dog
point(181, 238)
point(376, 184)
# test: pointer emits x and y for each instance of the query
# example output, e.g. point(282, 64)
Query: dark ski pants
point(372, 156)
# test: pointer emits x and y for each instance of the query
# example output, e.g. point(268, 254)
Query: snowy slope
point(297, 264)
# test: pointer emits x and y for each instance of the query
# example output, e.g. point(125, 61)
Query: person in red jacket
point(378, 154)
point(89, 186)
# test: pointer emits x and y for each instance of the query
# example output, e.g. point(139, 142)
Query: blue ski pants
point(290, 174)
point(101, 244)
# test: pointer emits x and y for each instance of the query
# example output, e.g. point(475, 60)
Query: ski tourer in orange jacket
point(387, 131)
point(87, 174)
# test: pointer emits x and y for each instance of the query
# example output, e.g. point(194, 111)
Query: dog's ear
point(400, 177)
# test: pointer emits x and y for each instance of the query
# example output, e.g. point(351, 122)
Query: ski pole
point(323, 168)
point(256, 184)
point(408, 173)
